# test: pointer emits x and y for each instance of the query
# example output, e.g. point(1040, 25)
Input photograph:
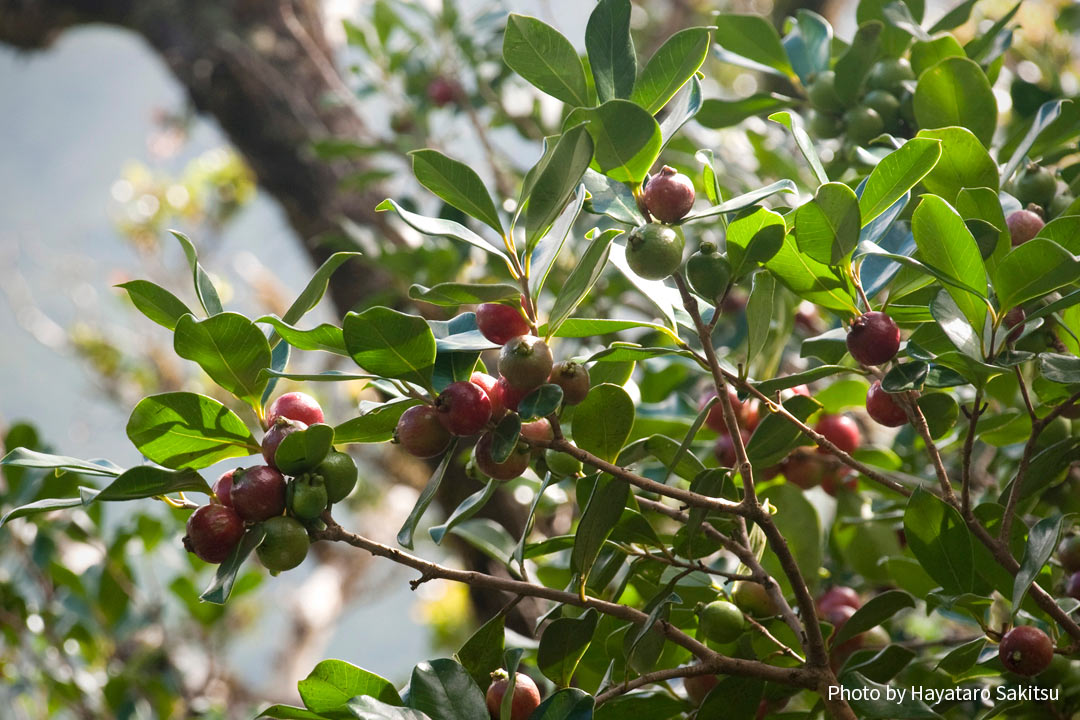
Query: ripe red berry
point(1014, 322)
point(746, 414)
point(1072, 586)
point(223, 488)
point(525, 700)
point(525, 362)
point(463, 408)
point(490, 386)
point(573, 378)
point(836, 596)
point(509, 397)
point(1023, 225)
point(724, 449)
point(295, 406)
point(538, 432)
point(500, 323)
point(508, 469)
point(874, 338)
point(420, 431)
point(804, 470)
point(840, 478)
point(258, 493)
point(698, 686)
point(1069, 553)
point(841, 431)
point(443, 91)
point(281, 429)
point(213, 531)
point(1026, 650)
point(883, 408)
point(669, 195)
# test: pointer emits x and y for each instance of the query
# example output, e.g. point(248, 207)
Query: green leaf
point(1048, 112)
point(368, 708)
point(754, 239)
point(1041, 543)
point(955, 17)
point(204, 288)
point(945, 243)
point(927, 54)
point(548, 248)
point(290, 712)
point(603, 420)
point(759, 314)
point(42, 506)
point(584, 275)
point(556, 183)
point(563, 644)
point(716, 113)
point(798, 521)
point(438, 227)
point(775, 437)
point(670, 68)
point(541, 402)
point(316, 287)
point(602, 511)
point(482, 653)
point(303, 450)
point(444, 690)
point(611, 198)
point(1034, 269)
point(874, 702)
point(230, 349)
point(405, 534)
point(733, 698)
point(453, 294)
point(809, 45)
point(852, 67)
point(487, 536)
point(391, 344)
point(186, 430)
point(956, 92)
point(877, 610)
point(147, 481)
point(332, 683)
point(896, 174)
point(940, 541)
point(961, 659)
point(26, 458)
point(222, 584)
point(806, 146)
point(540, 54)
point(811, 280)
point(742, 202)
point(769, 387)
point(325, 337)
point(566, 704)
point(611, 49)
point(680, 110)
point(457, 184)
point(155, 302)
point(952, 322)
point(964, 163)
point(626, 138)
point(827, 228)
point(752, 37)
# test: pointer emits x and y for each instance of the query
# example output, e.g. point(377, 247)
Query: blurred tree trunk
point(264, 71)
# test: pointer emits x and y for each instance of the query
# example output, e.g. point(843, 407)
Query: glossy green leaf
point(146, 481)
point(874, 703)
point(809, 44)
point(1032, 270)
point(625, 136)
point(540, 54)
point(551, 245)
point(332, 683)
point(325, 337)
point(598, 519)
point(220, 587)
point(716, 113)
point(368, 708)
point(556, 183)
point(1041, 543)
point(584, 275)
point(852, 66)
point(603, 420)
point(612, 198)
point(438, 227)
point(877, 610)
point(926, 54)
point(375, 425)
point(313, 292)
point(752, 37)
point(806, 146)
point(454, 294)
point(230, 349)
point(1048, 112)
point(754, 239)
point(457, 184)
point(444, 690)
point(186, 430)
point(405, 534)
point(775, 437)
point(204, 287)
point(797, 519)
point(391, 344)
point(563, 644)
point(827, 228)
point(610, 47)
point(956, 92)
point(482, 653)
point(303, 450)
point(671, 67)
point(742, 202)
point(811, 280)
point(26, 458)
point(940, 541)
point(541, 402)
point(566, 704)
point(759, 314)
point(964, 163)
point(155, 302)
point(896, 174)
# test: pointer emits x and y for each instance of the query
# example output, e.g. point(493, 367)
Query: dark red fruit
point(1023, 225)
point(500, 323)
point(669, 195)
point(1026, 650)
point(443, 91)
point(804, 470)
point(213, 531)
point(837, 614)
point(1072, 586)
point(538, 432)
point(873, 338)
point(698, 686)
point(841, 431)
point(808, 319)
point(526, 695)
point(746, 414)
point(1014, 322)
point(1069, 553)
point(258, 493)
point(573, 378)
point(836, 596)
point(421, 432)
point(295, 406)
point(463, 408)
point(282, 428)
point(223, 488)
point(490, 386)
point(836, 479)
point(724, 449)
point(509, 397)
point(509, 469)
point(883, 408)
point(525, 362)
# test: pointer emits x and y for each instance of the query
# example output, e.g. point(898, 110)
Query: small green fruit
point(1035, 185)
point(1060, 206)
point(306, 496)
point(339, 474)
point(721, 622)
point(863, 124)
point(708, 272)
point(823, 95)
point(285, 546)
point(885, 104)
point(889, 75)
point(752, 598)
point(654, 251)
point(824, 126)
point(561, 464)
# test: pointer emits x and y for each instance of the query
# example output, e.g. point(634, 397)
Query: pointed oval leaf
point(671, 67)
point(611, 49)
point(155, 302)
point(457, 184)
point(230, 349)
point(626, 138)
point(391, 344)
point(956, 92)
point(540, 54)
point(827, 228)
point(186, 430)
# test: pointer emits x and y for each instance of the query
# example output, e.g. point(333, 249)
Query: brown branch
point(648, 678)
point(918, 420)
point(969, 444)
